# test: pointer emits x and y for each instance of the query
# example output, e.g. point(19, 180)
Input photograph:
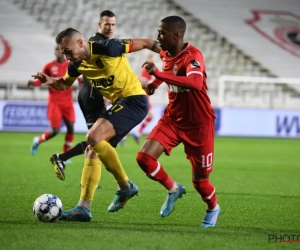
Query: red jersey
point(188, 108)
point(55, 69)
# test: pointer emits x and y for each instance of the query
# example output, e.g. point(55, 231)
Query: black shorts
point(125, 114)
point(91, 104)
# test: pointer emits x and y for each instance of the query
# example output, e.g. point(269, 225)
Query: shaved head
point(69, 32)
point(72, 44)
point(175, 24)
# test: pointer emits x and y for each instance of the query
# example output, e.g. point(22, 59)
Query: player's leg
point(118, 121)
point(83, 101)
point(54, 117)
point(201, 158)
point(162, 138)
point(68, 113)
point(92, 106)
point(69, 137)
point(90, 177)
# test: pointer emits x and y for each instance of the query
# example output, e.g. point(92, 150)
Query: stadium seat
point(222, 58)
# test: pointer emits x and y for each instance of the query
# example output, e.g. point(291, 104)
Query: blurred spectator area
point(140, 20)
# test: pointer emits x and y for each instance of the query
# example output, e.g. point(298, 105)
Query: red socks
point(207, 192)
point(154, 170)
point(44, 137)
point(68, 142)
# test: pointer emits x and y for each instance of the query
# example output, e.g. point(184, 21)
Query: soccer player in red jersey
point(188, 119)
point(60, 105)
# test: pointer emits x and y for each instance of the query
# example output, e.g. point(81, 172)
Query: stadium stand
point(140, 20)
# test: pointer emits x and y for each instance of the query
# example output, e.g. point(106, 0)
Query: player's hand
point(150, 67)
point(45, 79)
point(150, 89)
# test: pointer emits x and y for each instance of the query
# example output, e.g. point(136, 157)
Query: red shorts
point(57, 112)
point(198, 143)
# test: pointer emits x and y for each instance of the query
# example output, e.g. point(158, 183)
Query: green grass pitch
point(257, 183)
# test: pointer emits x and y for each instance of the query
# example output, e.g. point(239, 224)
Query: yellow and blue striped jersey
point(108, 70)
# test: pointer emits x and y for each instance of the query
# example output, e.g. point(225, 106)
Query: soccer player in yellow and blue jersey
point(103, 63)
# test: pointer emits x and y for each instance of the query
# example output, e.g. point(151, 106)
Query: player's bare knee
point(70, 128)
point(91, 138)
point(89, 153)
point(55, 131)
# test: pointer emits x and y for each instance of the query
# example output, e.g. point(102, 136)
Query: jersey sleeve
point(194, 63)
point(46, 68)
point(72, 72)
point(112, 47)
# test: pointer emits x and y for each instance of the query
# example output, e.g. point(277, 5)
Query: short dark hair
point(67, 32)
point(175, 22)
point(107, 13)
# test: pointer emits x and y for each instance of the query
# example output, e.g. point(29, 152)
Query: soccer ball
point(47, 208)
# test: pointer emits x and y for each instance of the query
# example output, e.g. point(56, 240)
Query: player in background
point(60, 105)
point(90, 99)
point(103, 63)
point(188, 119)
point(144, 78)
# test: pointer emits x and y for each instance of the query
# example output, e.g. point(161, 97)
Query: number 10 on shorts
point(207, 160)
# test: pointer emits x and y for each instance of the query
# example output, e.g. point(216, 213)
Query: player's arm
point(38, 83)
point(117, 47)
point(62, 83)
point(151, 87)
point(140, 44)
point(192, 80)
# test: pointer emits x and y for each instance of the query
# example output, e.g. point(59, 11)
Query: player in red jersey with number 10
point(187, 119)
point(60, 105)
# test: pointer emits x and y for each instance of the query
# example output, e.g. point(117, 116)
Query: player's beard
point(86, 52)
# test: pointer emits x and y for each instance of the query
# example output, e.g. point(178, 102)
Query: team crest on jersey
point(125, 41)
point(279, 27)
point(175, 69)
point(99, 63)
point(195, 64)
point(54, 70)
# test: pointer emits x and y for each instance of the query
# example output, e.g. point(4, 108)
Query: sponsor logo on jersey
point(125, 41)
point(195, 64)
point(99, 63)
point(103, 82)
point(175, 69)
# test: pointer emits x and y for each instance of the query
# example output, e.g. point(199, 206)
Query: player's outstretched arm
point(58, 84)
point(140, 44)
